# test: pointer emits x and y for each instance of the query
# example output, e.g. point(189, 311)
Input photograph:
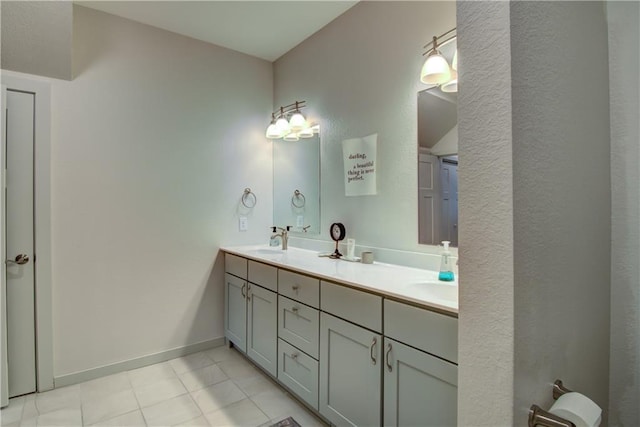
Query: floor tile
point(157, 392)
point(203, 377)
point(13, 412)
point(275, 404)
point(217, 396)
point(241, 414)
point(109, 406)
point(190, 362)
point(59, 398)
point(62, 418)
point(256, 384)
point(150, 374)
point(223, 353)
point(30, 410)
point(236, 368)
point(130, 419)
point(201, 421)
point(171, 412)
point(105, 386)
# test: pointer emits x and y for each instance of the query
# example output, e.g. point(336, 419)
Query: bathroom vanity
point(365, 345)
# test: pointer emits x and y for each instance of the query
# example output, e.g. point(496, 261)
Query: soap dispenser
point(446, 266)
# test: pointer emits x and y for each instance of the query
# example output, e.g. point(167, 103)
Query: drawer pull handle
point(296, 287)
point(295, 310)
point(373, 346)
point(242, 290)
point(389, 367)
point(294, 356)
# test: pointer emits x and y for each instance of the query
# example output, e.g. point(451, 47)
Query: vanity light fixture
point(436, 69)
point(291, 125)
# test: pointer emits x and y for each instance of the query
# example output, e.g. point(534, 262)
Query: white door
point(19, 250)
point(428, 185)
point(449, 201)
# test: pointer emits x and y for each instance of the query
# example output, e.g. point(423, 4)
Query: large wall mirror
point(296, 184)
point(438, 163)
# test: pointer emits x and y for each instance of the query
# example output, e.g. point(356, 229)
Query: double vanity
point(364, 345)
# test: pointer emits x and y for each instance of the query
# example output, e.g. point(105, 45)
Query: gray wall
point(624, 89)
point(153, 143)
point(555, 311)
point(36, 37)
point(562, 202)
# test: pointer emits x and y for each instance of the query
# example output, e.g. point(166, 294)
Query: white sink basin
point(267, 251)
point(436, 290)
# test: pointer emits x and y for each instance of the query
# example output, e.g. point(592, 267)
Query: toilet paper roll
point(578, 409)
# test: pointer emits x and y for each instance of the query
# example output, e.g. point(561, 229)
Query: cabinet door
point(350, 373)
point(235, 311)
point(419, 389)
point(262, 327)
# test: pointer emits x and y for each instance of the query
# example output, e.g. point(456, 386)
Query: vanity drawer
point(235, 265)
point(299, 325)
point(299, 287)
point(298, 372)
point(432, 332)
point(263, 275)
point(356, 306)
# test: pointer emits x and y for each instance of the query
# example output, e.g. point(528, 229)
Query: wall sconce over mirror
point(290, 124)
point(441, 66)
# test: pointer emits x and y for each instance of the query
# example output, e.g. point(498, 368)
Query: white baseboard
point(139, 362)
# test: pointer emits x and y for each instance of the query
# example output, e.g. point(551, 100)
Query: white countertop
point(403, 283)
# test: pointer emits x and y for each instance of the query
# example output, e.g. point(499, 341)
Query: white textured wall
point(153, 144)
point(360, 75)
point(36, 37)
point(624, 89)
point(562, 201)
point(486, 333)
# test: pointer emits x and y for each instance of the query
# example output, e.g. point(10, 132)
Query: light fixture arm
point(291, 108)
point(439, 42)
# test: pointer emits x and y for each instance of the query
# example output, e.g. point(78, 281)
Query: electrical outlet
point(300, 221)
point(243, 223)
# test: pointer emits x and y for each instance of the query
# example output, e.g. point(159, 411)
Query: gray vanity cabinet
point(419, 389)
point(262, 327)
point(350, 374)
point(235, 311)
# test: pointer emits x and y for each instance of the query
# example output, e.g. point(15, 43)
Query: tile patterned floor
point(218, 387)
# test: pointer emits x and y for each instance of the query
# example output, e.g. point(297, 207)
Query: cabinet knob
point(296, 287)
point(295, 309)
point(294, 356)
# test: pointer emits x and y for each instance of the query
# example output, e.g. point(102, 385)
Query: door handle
point(19, 260)
point(244, 295)
point(372, 349)
point(389, 367)
point(248, 292)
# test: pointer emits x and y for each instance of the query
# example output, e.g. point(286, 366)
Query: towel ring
point(247, 196)
point(297, 195)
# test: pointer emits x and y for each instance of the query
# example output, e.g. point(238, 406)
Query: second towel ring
point(297, 195)
point(249, 198)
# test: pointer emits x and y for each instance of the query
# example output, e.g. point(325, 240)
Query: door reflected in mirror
point(437, 167)
point(296, 184)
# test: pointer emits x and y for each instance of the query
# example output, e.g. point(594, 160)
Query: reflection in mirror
point(437, 167)
point(296, 184)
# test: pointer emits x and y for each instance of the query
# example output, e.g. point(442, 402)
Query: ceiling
point(265, 29)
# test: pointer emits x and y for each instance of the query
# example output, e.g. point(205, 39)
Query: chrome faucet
point(284, 235)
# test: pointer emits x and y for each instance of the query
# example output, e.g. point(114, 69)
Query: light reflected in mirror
point(296, 184)
point(438, 165)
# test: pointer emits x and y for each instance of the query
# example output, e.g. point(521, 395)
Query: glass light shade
point(435, 69)
point(306, 133)
point(292, 136)
point(273, 132)
point(454, 63)
point(297, 122)
point(451, 85)
point(283, 125)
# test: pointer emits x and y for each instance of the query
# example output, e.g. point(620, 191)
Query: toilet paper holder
point(540, 417)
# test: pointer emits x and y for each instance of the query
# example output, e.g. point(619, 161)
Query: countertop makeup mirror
point(296, 184)
point(438, 163)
